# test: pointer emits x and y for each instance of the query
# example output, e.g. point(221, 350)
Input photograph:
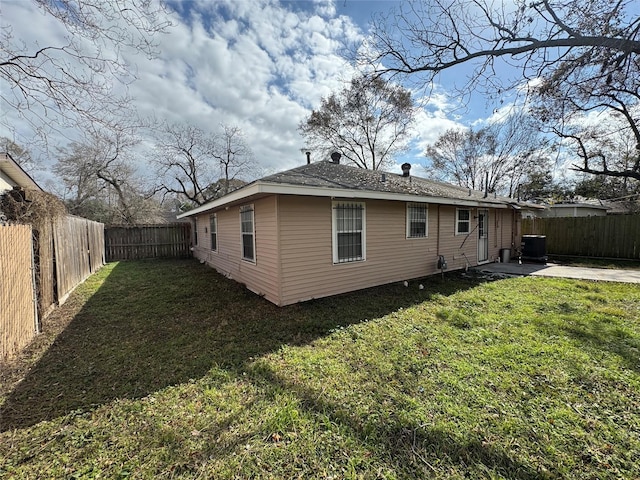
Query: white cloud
point(258, 64)
point(433, 118)
point(255, 64)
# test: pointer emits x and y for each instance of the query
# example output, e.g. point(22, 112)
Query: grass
point(608, 263)
point(168, 370)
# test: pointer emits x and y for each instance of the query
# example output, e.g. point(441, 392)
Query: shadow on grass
point(603, 334)
point(152, 324)
point(408, 448)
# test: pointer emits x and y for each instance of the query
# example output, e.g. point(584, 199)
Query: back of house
point(325, 228)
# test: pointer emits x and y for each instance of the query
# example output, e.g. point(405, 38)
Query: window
point(248, 233)
point(416, 220)
point(195, 231)
point(213, 227)
point(348, 232)
point(463, 221)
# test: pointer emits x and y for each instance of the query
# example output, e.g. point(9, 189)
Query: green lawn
point(168, 370)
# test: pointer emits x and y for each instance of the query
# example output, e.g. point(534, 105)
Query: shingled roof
point(328, 178)
point(332, 175)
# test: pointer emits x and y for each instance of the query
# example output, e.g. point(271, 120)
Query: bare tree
point(199, 166)
point(234, 156)
point(184, 162)
point(495, 158)
point(21, 155)
point(608, 144)
point(576, 56)
point(367, 122)
point(100, 182)
point(55, 86)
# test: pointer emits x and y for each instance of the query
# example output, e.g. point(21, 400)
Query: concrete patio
point(554, 270)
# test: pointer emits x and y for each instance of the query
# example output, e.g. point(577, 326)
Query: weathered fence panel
point(614, 236)
point(39, 266)
point(95, 233)
point(18, 311)
point(45, 268)
point(78, 252)
point(132, 242)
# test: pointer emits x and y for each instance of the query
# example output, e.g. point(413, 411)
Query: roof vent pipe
point(308, 154)
point(406, 168)
point(335, 157)
point(486, 184)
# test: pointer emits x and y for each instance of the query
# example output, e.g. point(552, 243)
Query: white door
point(483, 236)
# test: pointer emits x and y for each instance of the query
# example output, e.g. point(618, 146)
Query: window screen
point(247, 229)
point(349, 232)
point(463, 221)
point(213, 227)
point(416, 220)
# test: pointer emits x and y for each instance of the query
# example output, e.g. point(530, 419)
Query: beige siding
point(262, 277)
point(506, 230)
point(460, 251)
point(294, 256)
point(306, 247)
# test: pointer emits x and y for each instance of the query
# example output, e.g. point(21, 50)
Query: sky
point(260, 65)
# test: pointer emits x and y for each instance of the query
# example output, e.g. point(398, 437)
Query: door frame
point(483, 235)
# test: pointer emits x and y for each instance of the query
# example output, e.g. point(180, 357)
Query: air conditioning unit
point(534, 247)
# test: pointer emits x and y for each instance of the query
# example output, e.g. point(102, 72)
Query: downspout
point(513, 229)
point(438, 235)
point(278, 249)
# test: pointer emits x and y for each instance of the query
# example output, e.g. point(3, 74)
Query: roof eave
point(17, 173)
point(259, 187)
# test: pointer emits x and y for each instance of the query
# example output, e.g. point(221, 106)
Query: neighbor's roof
point(579, 205)
point(16, 174)
point(328, 179)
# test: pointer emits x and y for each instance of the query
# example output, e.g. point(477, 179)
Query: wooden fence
point(613, 236)
point(18, 312)
point(131, 242)
point(62, 254)
point(79, 251)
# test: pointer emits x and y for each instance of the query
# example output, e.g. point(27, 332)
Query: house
point(12, 175)
point(324, 228)
point(582, 209)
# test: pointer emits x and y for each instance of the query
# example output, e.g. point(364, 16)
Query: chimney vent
point(308, 154)
point(335, 157)
point(406, 168)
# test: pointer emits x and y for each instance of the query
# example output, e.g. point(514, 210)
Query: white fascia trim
point(17, 174)
point(234, 196)
point(286, 189)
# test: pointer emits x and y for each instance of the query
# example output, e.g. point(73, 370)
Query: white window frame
point(334, 227)
point(245, 209)
point(213, 230)
point(409, 219)
point(468, 221)
point(195, 231)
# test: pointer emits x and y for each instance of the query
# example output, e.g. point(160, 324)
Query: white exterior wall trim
point(258, 188)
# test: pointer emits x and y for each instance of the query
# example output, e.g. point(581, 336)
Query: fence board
point(79, 251)
point(45, 264)
point(95, 232)
point(45, 273)
point(614, 236)
point(131, 242)
point(18, 312)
